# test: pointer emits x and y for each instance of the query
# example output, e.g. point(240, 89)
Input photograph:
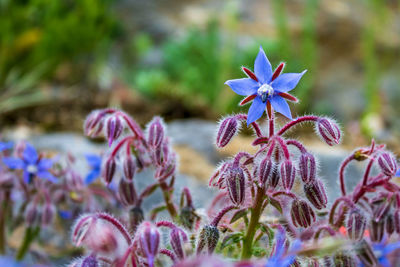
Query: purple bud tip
point(227, 130)
point(387, 164)
point(156, 131)
point(109, 170)
point(315, 193)
point(235, 183)
point(114, 129)
point(329, 131)
point(307, 167)
point(288, 174)
point(302, 214)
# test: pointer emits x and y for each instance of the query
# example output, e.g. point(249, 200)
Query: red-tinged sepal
point(260, 140)
point(247, 99)
point(278, 71)
point(289, 97)
point(250, 74)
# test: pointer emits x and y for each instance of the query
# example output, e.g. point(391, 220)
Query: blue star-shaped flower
point(267, 88)
point(382, 251)
point(281, 257)
point(94, 162)
point(31, 164)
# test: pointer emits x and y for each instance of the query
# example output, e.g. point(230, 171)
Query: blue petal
point(27, 176)
point(391, 247)
point(5, 145)
point(14, 163)
point(65, 214)
point(244, 86)
point(93, 160)
point(398, 173)
point(46, 175)
point(30, 155)
point(93, 175)
point(45, 164)
point(256, 110)
point(262, 67)
point(280, 105)
point(287, 81)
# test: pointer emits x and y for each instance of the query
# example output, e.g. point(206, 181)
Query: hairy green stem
point(168, 200)
point(30, 234)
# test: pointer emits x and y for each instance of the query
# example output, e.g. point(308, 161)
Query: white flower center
point(265, 91)
point(32, 168)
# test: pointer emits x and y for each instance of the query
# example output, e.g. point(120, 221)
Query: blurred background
point(61, 59)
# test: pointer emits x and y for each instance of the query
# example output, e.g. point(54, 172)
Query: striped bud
point(288, 173)
point(155, 132)
point(177, 238)
point(31, 213)
point(129, 167)
point(274, 181)
point(356, 224)
point(266, 170)
point(380, 208)
point(161, 153)
point(93, 124)
point(315, 193)
point(307, 167)
point(114, 128)
point(208, 238)
point(47, 215)
point(341, 259)
point(227, 129)
point(127, 192)
point(366, 254)
point(396, 220)
point(328, 131)
point(149, 241)
point(235, 184)
point(301, 213)
point(377, 230)
point(387, 164)
point(109, 170)
point(389, 224)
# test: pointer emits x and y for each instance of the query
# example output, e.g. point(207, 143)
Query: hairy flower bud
point(387, 164)
point(208, 237)
point(31, 213)
point(109, 170)
point(162, 153)
point(93, 124)
point(149, 241)
point(301, 213)
point(366, 254)
point(329, 131)
point(356, 224)
point(266, 170)
point(129, 167)
point(114, 128)
point(380, 208)
point(389, 224)
point(127, 192)
point(396, 220)
point(307, 167)
point(315, 193)
point(47, 215)
point(188, 216)
point(89, 261)
point(227, 129)
point(274, 181)
point(341, 259)
point(177, 238)
point(288, 174)
point(155, 132)
point(376, 230)
point(235, 184)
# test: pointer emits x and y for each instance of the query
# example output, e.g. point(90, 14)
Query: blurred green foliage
point(37, 36)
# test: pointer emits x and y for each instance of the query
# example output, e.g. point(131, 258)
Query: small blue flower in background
point(9, 262)
point(31, 165)
point(281, 257)
point(5, 146)
point(65, 214)
point(94, 162)
point(382, 251)
point(266, 88)
point(398, 173)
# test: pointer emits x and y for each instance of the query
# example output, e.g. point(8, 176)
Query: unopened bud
point(307, 167)
point(288, 174)
point(266, 170)
point(155, 132)
point(380, 208)
point(114, 129)
point(387, 164)
point(341, 259)
point(48, 212)
point(329, 131)
point(177, 238)
point(274, 181)
point(389, 224)
point(109, 170)
point(161, 153)
point(208, 238)
point(235, 184)
point(356, 224)
point(396, 220)
point(93, 124)
point(149, 240)
point(90, 261)
point(31, 213)
point(302, 214)
point(129, 167)
point(315, 193)
point(366, 254)
point(227, 129)
point(127, 192)
point(377, 230)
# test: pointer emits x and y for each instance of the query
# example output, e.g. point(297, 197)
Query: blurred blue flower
point(31, 164)
point(94, 162)
point(382, 251)
point(266, 87)
point(5, 146)
point(65, 214)
point(398, 173)
point(9, 262)
point(282, 257)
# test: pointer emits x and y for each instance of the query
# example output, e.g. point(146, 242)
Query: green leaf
point(231, 239)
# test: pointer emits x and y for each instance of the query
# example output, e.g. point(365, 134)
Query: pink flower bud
point(177, 238)
point(387, 164)
point(315, 193)
point(376, 230)
point(208, 237)
point(307, 167)
point(48, 212)
point(266, 170)
point(288, 174)
point(127, 192)
point(109, 170)
point(227, 129)
point(93, 124)
point(302, 214)
point(149, 241)
point(366, 254)
point(162, 153)
point(114, 128)
point(31, 213)
point(342, 259)
point(356, 224)
point(235, 183)
point(389, 224)
point(329, 131)
point(155, 132)
point(396, 220)
point(129, 167)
